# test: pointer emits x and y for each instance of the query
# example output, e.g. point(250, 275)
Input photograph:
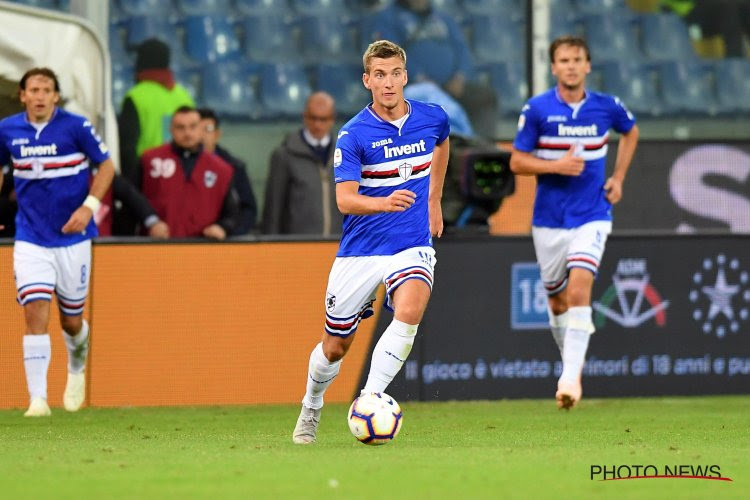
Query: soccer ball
point(375, 418)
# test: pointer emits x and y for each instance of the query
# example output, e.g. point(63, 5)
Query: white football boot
point(306, 429)
point(75, 391)
point(38, 408)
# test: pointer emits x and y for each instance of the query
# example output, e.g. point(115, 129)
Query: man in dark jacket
point(300, 192)
point(241, 181)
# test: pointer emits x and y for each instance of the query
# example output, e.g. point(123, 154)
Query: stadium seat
point(688, 87)
point(611, 38)
point(635, 84)
point(140, 28)
point(229, 90)
point(509, 8)
point(600, 6)
point(205, 7)
point(284, 88)
point(191, 79)
point(155, 8)
point(210, 39)
point(344, 83)
point(118, 54)
point(327, 37)
point(508, 79)
point(497, 38)
point(320, 7)
point(665, 37)
point(269, 37)
point(258, 7)
point(733, 84)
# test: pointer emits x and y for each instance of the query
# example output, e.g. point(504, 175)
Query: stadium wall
point(191, 324)
point(233, 323)
point(672, 315)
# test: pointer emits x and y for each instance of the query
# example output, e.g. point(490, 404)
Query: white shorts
point(559, 250)
point(65, 270)
point(354, 280)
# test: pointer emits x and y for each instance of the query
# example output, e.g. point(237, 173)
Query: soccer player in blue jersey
point(49, 150)
point(562, 139)
point(389, 166)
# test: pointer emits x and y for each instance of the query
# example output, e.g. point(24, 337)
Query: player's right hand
point(570, 164)
point(399, 200)
point(160, 231)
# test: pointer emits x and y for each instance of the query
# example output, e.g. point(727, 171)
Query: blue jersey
point(383, 158)
point(51, 174)
point(547, 128)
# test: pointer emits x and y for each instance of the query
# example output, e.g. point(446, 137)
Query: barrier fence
point(234, 323)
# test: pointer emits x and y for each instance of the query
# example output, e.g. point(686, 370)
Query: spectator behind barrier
point(148, 106)
point(241, 182)
point(300, 192)
point(729, 19)
point(190, 189)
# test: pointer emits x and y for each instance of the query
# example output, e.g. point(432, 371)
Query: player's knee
point(578, 296)
point(71, 324)
point(558, 304)
point(334, 349)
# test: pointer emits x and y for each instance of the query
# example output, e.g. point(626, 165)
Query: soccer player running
point(389, 167)
point(562, 139)
point(50, 149)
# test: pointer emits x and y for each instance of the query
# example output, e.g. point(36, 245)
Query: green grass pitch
point(463, 450)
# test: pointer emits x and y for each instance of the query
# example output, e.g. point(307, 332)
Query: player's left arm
point(81, 217)
point(625, 151)
point(437, 178)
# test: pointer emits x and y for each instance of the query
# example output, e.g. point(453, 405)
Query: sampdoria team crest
point(404, 171)
point(209, 178)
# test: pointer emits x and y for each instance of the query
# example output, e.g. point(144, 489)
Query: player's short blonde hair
point(382, 49)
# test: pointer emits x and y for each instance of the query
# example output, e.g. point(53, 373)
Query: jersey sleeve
point(528, 130)
point(90, 143)
point(347, 159)
point(622, 119)
point(444, 128)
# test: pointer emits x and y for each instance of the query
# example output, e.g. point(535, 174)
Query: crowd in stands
point(262, 60)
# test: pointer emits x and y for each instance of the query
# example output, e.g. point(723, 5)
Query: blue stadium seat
point(258, 7)
point(211, 39)
point(344, 83)
point(140, 28)
point(497, 38)
point(190, 78)
point(508, 79)
point(688, 87)
point(733, 84)
point(155, 8)
point(600, 6)
point(205, 7)
point(122, 80)
point(269, 37)
point(611, 38)
point(665, 37)
point(327, 37)
point(284, 88)
point(118, 54)
point(321, 7)
point(228, 89)
point(509, 8)
point(635, 84)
